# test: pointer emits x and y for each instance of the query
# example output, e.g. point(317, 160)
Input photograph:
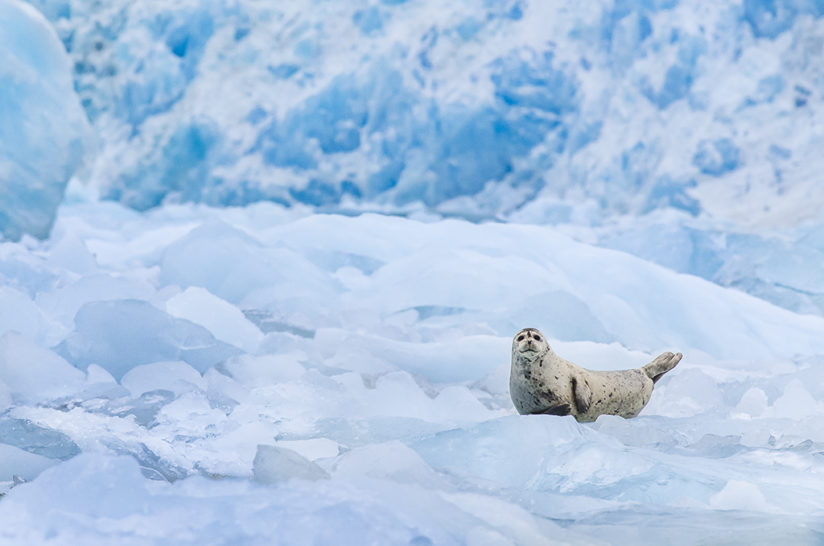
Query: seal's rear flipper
point(661, 365)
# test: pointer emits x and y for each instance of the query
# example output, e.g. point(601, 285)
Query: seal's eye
point(521, 337)
point(537, 337)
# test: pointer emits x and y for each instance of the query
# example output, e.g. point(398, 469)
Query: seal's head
point(529, 343)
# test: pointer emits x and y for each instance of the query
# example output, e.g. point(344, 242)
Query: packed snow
point(260, 268)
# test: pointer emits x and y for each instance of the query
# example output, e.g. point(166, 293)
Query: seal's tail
point(661, 365)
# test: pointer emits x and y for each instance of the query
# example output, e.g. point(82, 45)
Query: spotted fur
point(540, 381)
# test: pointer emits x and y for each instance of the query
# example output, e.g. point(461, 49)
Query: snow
point(276, 305)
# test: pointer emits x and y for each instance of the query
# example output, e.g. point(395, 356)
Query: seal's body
point(542, 382)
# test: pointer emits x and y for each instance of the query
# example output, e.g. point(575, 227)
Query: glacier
point(44, 132)
point(483, 109)
point(260, 266)
point(562, 114)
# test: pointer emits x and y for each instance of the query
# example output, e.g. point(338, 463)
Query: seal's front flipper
point(661, 365)
point(560, 409)
point(582, 395)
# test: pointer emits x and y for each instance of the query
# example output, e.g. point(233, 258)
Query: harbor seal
point(540, 381)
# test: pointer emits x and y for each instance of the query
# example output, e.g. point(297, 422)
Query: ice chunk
point(16, 462)
point(752, 403)
point(96, 375)
point(242, 439)
point(256, 371)
point(23, 271)
point(313, 448)
point(36, 439)
point(686, 392)
point(27, 319)
point(219, 258)
point(177, 377)
point(393, 460)
point(510, 520)
point(277, 464)
point(515, 448)
point(191, 413)
point(223, 391)
point(108, 500)
point(43, 132)
point(97, 485)
point(469, 357)
point(33, 374)
point(376, 428)
point(101, 384)
point(398, 395)
point(225, 321)
point(69, 251)
point(796, 402)
point(232, 265)
point(121, 334)
point(741, 495)
point(142, 409)
point(64, 301)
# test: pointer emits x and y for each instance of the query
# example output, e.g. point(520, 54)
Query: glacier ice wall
point(566, 114)
point(43, 129)
point(544, 112)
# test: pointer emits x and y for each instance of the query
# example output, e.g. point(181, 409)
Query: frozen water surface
point(390, 419)
point(276, 305)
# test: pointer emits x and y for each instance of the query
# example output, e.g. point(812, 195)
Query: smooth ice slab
point(25, 465)
point(121, 334)
point(177, 377)
point(33, 374)
point(277, 464)
point(35, 439)
point(26, 318)
point(225, 321)
point(96, 485)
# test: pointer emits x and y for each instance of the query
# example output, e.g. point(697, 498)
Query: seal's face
point(529, 343)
